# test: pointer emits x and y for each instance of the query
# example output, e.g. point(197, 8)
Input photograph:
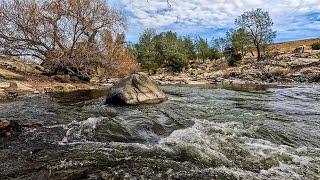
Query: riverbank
point(19, 79)
point(284, 67)
point(38, 84)
point(41, 85)
point(281, 68)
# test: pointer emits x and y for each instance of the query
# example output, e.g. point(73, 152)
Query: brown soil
point(291, 45)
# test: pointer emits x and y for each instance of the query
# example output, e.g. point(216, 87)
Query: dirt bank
point(17, 78)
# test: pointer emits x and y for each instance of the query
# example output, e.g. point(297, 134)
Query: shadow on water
point(238, 87)
point(78, 97)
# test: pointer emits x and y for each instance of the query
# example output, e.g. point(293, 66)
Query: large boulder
point(134, 90)
point(299, 49)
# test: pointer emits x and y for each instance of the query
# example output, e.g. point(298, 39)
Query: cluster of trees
point(77, 36)
point(165, 49)
point(252, 34)
point(69, 36)
point(169, 50)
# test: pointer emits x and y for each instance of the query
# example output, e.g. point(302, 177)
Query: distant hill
point(291, 45)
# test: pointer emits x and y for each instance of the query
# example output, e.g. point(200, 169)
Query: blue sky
point(293, 19)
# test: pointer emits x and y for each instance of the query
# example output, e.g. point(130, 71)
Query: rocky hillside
point(281, 66)
point(291, 45)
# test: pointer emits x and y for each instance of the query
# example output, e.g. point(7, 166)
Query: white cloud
point(208, 16)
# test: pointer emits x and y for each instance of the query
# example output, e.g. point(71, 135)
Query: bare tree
point(59, 32)
point(259, 24)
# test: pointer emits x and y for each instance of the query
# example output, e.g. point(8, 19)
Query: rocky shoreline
point(36, 85)
point(281, 69)
point(20, 79)
point(13, 88)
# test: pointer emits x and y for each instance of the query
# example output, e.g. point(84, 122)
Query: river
point(199, 133)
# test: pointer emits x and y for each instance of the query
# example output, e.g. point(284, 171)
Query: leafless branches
point(64, 34)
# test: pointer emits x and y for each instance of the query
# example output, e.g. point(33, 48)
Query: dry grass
point(291, 45)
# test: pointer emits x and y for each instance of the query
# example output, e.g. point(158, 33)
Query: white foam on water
point(80, 130)
point(205, 139)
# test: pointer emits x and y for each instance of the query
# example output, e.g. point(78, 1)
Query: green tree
point(215, 54)
point(259, 24)
point(145, 50)
point(171, 51)
point(132, 48)
point(203, 49)
point(240, 40)
point(189, 46)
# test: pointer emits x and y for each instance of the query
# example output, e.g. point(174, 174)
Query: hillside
point(291, 45)
point(285, 67)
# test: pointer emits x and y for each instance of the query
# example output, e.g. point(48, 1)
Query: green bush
point(215, 54)
point(316, 46)
point(177, 64)
point(232, 57)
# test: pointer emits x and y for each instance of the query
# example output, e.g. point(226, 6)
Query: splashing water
point(199, 133)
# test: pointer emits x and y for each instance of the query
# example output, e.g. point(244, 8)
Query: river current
point(199, 133)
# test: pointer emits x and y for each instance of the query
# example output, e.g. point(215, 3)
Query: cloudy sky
point(293, 19)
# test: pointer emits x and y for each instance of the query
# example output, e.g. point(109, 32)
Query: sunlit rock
point(134, 90)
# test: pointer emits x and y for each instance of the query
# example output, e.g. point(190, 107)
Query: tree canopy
point(259, 25)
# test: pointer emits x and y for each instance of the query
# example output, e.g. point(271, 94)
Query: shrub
point(177, 64)
point(316, 46)
point(232, 57)
point(278, 71)
point(215, 54)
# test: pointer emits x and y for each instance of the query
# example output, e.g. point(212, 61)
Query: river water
point(199, 133)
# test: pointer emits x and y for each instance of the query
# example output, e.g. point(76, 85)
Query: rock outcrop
point(134, 90)
point(299, 49)
point(5, 74)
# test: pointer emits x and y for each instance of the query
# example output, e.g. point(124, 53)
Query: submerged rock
point(4, 124)
point(8, 128)
point(134, 90)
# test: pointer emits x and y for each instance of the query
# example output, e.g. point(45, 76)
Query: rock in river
point(134, 90)
point(4, 124)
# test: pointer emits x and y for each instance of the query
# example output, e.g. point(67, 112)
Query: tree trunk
point(259, 53)
point(251, 53)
